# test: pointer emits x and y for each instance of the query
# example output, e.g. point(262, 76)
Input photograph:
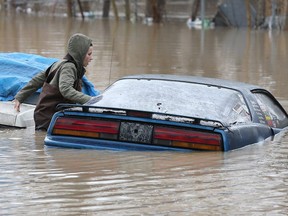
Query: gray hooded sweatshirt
point(77, 48)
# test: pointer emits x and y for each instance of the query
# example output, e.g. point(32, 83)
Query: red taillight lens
point(187, 138)
point(84, 127)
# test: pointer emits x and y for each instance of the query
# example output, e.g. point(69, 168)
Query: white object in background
point(10, 117)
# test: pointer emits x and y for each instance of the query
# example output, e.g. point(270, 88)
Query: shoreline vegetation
point(256, 14)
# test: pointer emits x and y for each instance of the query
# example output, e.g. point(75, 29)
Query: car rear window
point(178, 98)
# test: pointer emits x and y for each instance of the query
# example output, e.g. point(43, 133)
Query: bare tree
point(106, 9)
point(127, 9)
point(155, 9)
point(195, 9)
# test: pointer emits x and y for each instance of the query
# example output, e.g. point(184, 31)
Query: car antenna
point(111, 61)
point(113, 44)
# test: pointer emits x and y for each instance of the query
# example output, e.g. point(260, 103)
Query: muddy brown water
point(36, 180)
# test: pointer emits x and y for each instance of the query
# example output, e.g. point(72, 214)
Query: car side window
point(274, 115)
point(236, 110)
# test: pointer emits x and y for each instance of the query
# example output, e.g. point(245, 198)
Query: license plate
point(135, 132)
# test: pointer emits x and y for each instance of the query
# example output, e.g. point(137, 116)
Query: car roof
point(197, 79)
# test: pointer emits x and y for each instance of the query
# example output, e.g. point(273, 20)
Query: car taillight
point(187, 138)
point(86, 127)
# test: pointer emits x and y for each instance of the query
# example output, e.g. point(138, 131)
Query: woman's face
point(88, 57)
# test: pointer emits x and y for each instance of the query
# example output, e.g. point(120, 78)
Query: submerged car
point(170, 112)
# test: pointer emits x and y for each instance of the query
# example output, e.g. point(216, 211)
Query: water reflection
point(251, 180)
point(53, 181)
point(122, 48)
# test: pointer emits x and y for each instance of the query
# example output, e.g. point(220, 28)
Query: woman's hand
point(16, 105)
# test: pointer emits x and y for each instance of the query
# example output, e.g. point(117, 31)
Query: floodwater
point(37, 180)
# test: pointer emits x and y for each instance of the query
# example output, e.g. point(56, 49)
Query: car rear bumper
point(87, 143)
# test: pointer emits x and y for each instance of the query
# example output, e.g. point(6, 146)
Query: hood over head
point(77, 48)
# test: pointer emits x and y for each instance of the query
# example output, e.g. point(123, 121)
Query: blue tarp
point(16, 69)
